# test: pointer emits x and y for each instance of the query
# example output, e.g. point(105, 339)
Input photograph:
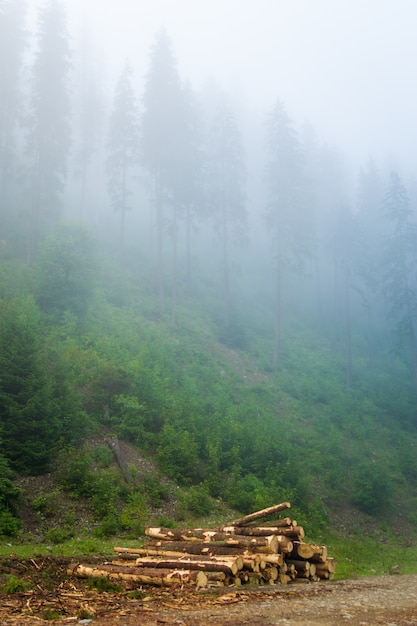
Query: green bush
point(134, 514)
point(156, 492)
point(74, 471)
point(371, 488)
point(46, 503)
point(196, 500)
point(15, 585)
point(9, 524)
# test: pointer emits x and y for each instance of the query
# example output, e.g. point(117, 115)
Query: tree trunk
point(147, 576)
point(271, 510)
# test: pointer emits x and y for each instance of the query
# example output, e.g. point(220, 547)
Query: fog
point(346, 67)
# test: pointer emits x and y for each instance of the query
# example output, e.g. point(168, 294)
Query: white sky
point(349, 67)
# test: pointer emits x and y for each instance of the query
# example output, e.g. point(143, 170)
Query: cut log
point(302, 567)
point(192, 547)
point(193, 534)
point(292, 532)
point(310, 551)
point(247, 519)
point(284, 521)
point(273, 559)
point(229, 566)
point(262, 544)
point(270, 573)
point(142, 576)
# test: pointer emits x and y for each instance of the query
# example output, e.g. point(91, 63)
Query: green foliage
point(65, 269)
point(156, 492)
point(103, 584)
point(74, 471)
point(177, 454)
point(15, 585)
point(50, 615)
point(134, 515)
point(9, 524)
point(46, 503)
point(28, 419)
point(59, 534)
point(372, 488)
point(196, 501)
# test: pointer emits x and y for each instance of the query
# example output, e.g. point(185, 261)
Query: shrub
point(15, 585)
point(196, 500)
point(9, 524)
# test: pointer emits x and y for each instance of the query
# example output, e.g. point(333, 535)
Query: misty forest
point(214, 285)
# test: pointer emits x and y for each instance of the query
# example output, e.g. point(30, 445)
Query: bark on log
point(192, 547)
point(283, 533)
point(310, 551)
point(269, 543)
point(229, 566)
point(143, 576)
point(247, 519)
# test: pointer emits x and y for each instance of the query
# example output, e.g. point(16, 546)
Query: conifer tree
point(90, 123)
point(123, 146)
point(12, 46)
point(49, 131)
point(226, 198)
point(400, 263)
point(161, 136)
point(287, 216)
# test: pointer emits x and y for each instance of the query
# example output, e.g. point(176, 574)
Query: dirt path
point(390, 600)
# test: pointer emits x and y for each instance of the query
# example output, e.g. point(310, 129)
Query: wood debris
point(238, 553)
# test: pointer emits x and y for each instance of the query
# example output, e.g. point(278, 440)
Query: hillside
point(194, 405)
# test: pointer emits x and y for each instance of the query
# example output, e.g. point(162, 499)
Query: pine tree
point(369, 200)
point(49, 131)
point(162, 132)
point(400, 263)
point(28, 420)
point(90, 126)
point(123, 146)
point(226, 198)
point(12, 47)
point(287, 216)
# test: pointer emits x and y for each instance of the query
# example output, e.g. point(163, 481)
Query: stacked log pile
point(237, 553)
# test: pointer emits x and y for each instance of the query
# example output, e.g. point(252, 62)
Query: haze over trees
point(244, 310)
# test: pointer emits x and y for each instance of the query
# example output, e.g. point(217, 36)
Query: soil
point(53, 596)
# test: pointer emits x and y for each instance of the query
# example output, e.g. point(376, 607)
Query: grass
point(74, 547)
point(367, 556)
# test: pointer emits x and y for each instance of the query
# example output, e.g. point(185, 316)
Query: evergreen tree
point(400, 263)
point(225, 183)
point(12, 46)
point(65, 270)
point(189, 190)
point(345, 254)
point(369, 200)
point(287, 216)
point(49, 131)
point(123, 146)
point(90, 122)
point(162, 132)
point(28, 420)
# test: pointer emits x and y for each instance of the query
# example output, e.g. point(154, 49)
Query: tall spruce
point(287, 216)
point(13, 42)
point(400, 264)
point(123, 147)
point(161, 136)
point(226, 192)
point(369, 200)
point(48, 140)
point(89, 127)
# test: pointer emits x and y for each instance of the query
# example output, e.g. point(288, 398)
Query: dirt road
point(390, 600)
